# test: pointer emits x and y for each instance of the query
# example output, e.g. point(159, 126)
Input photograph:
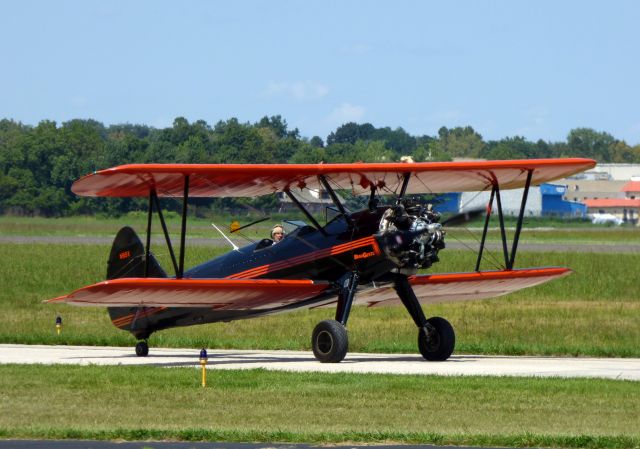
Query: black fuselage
point(307, 253)
point(345, 244)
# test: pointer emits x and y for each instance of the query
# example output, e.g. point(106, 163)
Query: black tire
point(439, 343)
point(330, 341)
point(142, 349)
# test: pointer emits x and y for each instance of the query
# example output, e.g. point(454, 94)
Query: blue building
point(447, 202)
point(553, 204)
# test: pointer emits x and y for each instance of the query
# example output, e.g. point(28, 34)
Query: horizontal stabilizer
point(435, 288)
point(223, 294)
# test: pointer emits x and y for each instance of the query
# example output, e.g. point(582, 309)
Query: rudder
point(126, 259)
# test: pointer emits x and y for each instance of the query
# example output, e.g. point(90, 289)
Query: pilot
point(277, 233)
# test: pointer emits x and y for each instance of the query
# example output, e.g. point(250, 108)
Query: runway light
point(58, 324)
point(203, 364)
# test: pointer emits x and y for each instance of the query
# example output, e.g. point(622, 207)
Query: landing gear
point(436, 340)
point(330, 341)
point(142, 348)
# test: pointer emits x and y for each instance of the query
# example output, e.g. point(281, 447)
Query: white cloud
point(298, 90)
point(344, 113)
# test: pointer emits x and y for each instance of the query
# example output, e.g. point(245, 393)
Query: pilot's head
point(277, 233)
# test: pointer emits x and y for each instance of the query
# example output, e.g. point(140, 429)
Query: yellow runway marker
point(203, 364)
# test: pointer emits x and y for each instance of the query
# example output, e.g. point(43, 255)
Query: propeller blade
point(463, 217)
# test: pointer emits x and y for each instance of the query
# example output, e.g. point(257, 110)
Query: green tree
point(460, 142)
point(316, 142)
point(309, 154)
point(350, 133)
point(238, 143)
point(586, 142)
point(622, 153)
point(279, 126)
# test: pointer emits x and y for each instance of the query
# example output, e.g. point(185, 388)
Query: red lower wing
point(436, 288)
point(232, 294)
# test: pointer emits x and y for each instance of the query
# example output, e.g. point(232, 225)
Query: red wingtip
point(58, 299)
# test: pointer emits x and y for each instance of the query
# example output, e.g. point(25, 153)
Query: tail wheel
point(436, 340)
point(142, 349)
point(330, 341)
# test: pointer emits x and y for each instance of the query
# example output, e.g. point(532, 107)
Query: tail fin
point(126, 259)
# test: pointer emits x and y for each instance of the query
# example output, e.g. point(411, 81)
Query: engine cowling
point(411, 236)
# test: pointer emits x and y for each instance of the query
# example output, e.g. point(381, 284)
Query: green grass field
point(540, 231)
point(256, 405)
point(595, 311)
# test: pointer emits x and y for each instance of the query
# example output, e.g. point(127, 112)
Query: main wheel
point(142, 349)
point(438, 342)
point(330, 341)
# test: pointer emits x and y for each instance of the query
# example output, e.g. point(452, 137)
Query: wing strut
point(373, 202)
point(304, 211)
point(332, 194)
point(509, 260)
point(156, 201)
point(153, 201)
point(486, 227)
point(147, 251)
point(503, 232)
point(183, 230)
point(403, 189)
point(516, 237)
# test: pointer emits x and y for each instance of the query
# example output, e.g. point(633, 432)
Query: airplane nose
point(413, 248)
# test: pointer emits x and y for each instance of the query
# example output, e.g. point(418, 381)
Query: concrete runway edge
point(457, 365)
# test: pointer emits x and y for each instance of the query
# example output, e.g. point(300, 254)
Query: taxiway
point(457, 365)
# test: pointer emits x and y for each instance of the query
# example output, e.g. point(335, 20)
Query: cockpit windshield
point(291, 226)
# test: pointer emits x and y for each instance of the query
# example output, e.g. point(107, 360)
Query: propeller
point(463, 217)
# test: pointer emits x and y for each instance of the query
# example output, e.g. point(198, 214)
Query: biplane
point(369, 257)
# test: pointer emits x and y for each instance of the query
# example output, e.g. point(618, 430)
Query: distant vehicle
point(368, 257)
point(606, 219)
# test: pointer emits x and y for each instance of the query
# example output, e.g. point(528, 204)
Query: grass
point(538, 231)
point(91, 226)
point(124, 402)
point(584, 235)
point(594, 312)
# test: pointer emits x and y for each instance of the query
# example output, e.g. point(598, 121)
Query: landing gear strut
point(436, 338)
point(142, 348)
point(330, 341)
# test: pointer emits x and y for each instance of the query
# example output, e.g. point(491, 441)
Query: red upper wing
point(436, 288)
point(237, 294)
point(238, 180)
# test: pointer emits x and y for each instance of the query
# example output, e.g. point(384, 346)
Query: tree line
point(39, 163)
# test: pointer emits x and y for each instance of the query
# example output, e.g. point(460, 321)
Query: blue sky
point(536, 69)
